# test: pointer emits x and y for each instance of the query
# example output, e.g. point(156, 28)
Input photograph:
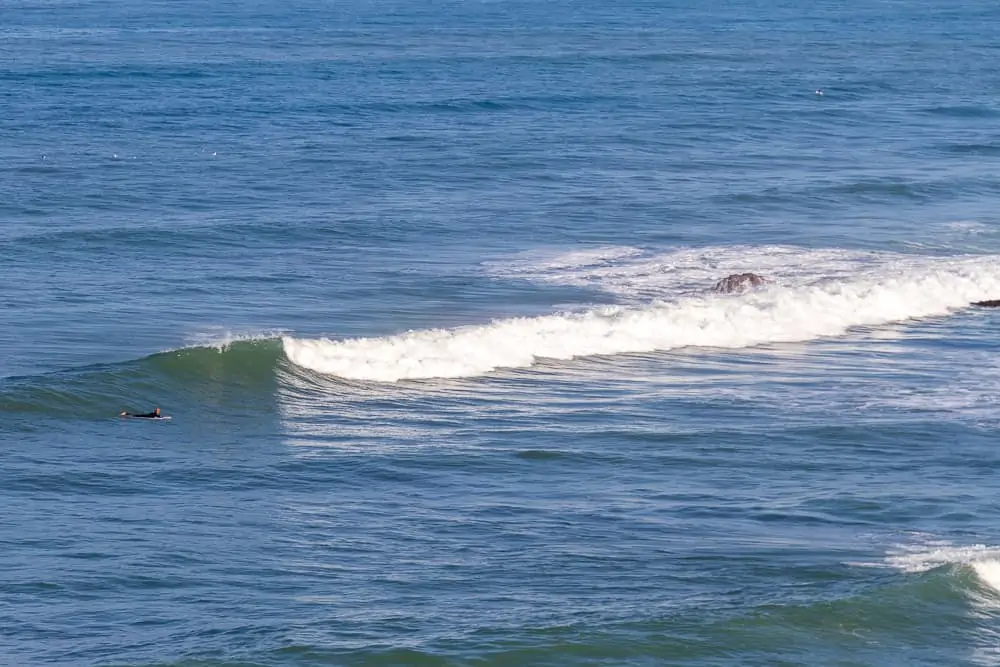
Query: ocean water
point(425, 288)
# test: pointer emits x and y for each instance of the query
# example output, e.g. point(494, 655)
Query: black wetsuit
point(148, 415)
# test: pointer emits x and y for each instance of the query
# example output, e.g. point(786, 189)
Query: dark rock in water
point(994, 303)
point(738, 282)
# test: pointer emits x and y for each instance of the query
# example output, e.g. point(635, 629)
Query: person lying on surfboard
point(155, 414)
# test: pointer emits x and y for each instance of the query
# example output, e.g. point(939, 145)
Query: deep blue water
point(425, 288)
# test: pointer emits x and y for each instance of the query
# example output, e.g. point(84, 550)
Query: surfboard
point(152, 419)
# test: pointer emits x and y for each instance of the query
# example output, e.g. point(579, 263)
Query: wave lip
point(937, 554)
point(777, 314)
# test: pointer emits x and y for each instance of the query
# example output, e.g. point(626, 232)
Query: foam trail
point(778, 314)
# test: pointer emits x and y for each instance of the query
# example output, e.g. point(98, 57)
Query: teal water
point(426, 291)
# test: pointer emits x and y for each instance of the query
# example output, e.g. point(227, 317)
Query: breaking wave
point(784, 312)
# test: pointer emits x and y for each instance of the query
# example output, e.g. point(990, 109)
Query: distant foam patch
point(968, 227)
point(633, 274)
point(892, 291)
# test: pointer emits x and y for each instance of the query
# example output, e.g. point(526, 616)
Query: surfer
point(155, 414)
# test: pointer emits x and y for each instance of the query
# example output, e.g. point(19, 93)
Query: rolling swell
point(856, 626)
point(206, 376)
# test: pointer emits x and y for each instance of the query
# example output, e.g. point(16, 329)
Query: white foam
point(630, 273)
point(988, 572)
point(928, 556)
point(539, 261)
point(895, 291)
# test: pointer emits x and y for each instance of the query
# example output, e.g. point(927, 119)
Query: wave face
point(895, 290)
point(206, 376)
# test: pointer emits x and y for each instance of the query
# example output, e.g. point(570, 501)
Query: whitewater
point(899, 290)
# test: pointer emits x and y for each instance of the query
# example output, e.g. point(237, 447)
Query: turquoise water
point(425, 288)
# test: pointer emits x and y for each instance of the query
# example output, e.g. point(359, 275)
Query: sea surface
point(425, 288)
